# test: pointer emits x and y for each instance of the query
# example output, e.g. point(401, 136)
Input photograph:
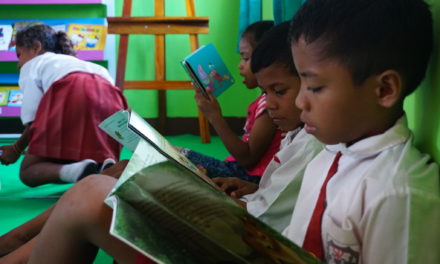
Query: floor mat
point(19, 203)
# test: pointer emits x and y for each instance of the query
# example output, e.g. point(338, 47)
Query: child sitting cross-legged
point(370, 196)
point(251, 153)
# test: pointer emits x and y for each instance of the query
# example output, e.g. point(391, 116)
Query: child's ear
point(37, 48)
point(389, 89)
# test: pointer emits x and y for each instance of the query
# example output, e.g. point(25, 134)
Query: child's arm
point(10, 153)
point(248, 153)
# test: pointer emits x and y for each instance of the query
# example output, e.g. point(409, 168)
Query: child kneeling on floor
point(64, 100)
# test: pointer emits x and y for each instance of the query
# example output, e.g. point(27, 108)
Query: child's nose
point(301, 101)
point(270, 104)
point(240, 65)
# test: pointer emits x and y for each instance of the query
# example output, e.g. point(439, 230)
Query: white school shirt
point(275, 198)
point(383, 203)
point(39, 73)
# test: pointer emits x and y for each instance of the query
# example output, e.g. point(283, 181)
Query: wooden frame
point(159, 26)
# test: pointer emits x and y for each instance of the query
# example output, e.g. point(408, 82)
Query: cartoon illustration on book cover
point(5, 36)
point(206, 79)
point(15, 98)
point(87, 37)
point(212, 77)
point(209, 68)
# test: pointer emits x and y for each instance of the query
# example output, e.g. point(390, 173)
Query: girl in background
point(65, 99)
point(250, 154)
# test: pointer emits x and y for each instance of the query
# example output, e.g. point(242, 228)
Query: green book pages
point(172, 215)
point(128, 128)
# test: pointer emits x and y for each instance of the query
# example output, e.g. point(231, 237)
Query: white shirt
point(383, 203)
point(275, 198)
point(39, 73)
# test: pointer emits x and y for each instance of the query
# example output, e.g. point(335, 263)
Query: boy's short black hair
point(255, 31)
point(370, 36)
point(274, 48)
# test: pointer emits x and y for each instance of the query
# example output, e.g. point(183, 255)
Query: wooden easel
point(159, 25)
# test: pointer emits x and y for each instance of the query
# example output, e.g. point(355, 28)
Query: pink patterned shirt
point(255, 110)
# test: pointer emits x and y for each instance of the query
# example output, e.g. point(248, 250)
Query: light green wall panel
point(267, 9)
point(423, 106)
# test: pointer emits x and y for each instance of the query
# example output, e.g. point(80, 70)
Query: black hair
point(370, 36)
point(255, 32)
point(56, 42)
point(274, 48)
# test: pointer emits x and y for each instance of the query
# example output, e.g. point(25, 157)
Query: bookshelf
point(50, 12)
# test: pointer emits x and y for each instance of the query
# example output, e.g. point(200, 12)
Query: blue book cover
point(15, 98)
point(207, 70)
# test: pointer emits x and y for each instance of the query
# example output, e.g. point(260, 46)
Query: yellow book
point(87, 37)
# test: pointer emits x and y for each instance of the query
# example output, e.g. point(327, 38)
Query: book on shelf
point(5, 36)
point(87, 37)
point(15, 98)
point(4, 96)
point(18, 26)
point(173, 214)
point(59, 27)
point(207, 70)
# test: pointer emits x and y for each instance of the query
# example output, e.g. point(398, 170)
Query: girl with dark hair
point(64, 100)
point(250, 154)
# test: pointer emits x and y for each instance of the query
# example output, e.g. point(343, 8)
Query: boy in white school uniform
point(275, 198)
point(273, 201)
point(370, 196)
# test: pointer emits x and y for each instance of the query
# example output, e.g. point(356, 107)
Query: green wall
point(223, 30)
point(422, 106)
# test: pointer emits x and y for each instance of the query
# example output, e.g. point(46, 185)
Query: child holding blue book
point(250, 154)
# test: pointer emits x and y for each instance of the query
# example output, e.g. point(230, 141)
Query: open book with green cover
point(174, 214)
